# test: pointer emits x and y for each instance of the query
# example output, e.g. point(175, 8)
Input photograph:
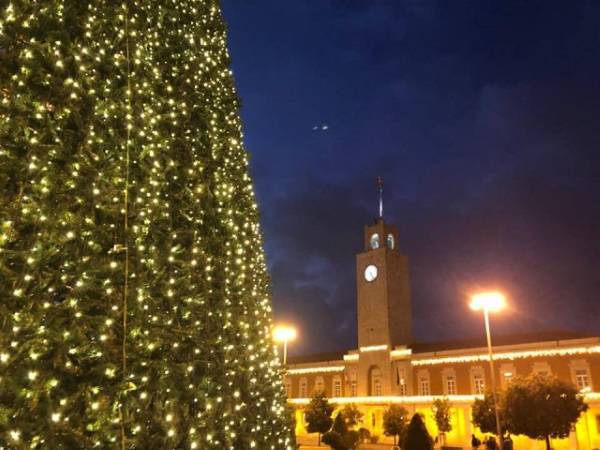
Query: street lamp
point(284, 333)
point(490, 302)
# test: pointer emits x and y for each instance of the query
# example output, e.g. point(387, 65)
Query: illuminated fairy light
point(374, 348)
point(411, 399)
point(324, 369)
point(392, 399)
point(401, 352)
point(508, 355)
point(351, 357)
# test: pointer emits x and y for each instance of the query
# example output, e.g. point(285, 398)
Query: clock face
point(370, 272)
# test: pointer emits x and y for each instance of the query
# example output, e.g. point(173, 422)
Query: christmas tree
point(134, 306)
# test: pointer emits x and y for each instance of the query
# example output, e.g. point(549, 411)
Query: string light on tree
point(130, 252)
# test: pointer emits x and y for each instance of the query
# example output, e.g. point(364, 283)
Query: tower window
point(374, 241)
point(390, 241)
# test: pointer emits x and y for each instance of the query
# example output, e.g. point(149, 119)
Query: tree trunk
point(319, 439)
point(547, 442)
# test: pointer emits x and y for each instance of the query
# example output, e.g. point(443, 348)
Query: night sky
point(483, 118)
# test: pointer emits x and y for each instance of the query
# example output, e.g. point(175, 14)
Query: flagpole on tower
point(380, 189)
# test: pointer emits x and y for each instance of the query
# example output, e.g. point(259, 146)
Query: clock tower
point(383, 307)
point(383, 290)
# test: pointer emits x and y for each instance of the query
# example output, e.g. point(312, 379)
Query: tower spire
point(380, 189)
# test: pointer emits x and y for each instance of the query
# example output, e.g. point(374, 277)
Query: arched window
point(374, 241)
point(390, 241)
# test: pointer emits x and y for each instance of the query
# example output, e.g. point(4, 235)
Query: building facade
point(388, 367)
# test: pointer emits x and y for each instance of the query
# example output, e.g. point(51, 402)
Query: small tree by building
point(352, 415)
point(441, 414)
point(484, 415)
point(394, 421)
point(318, 415)
point(340, 438)
point(542, 407)
point(417, 437)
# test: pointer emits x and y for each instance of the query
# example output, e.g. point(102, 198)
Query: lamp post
point(490, 302)
point(284, 333)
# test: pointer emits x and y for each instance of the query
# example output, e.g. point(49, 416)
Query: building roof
point(511, 339)
point(458, 344)
point(318, 357)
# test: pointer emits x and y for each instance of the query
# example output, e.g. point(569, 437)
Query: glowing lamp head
point(284, 333)
point(488, 301)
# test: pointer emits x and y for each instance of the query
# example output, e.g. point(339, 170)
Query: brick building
point(388, 367)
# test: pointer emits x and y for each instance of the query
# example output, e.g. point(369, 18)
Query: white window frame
point(577, 366)
point(424, 381)
point(449, 378)
point(336, 386)
point(478, 374)
point(353, 389)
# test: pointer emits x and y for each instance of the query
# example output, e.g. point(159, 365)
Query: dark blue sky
point(483, 118)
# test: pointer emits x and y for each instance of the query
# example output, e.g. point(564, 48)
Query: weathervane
point(380, 189)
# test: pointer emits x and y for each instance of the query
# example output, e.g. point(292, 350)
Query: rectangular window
point(288, 388)
point(450, 385)
point(478, 384)
point(508, 376)
point(377, 388)
point(582, 380)
point(402, 387)
point(353, 388)
point(424, 386)
point(319, 385)
point(337, 388)
point(303, 389)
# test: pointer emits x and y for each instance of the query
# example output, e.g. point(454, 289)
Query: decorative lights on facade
point(401, 352)
point(374, 348)
point(507, 355)
point(323, 369)
point(389, 399)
